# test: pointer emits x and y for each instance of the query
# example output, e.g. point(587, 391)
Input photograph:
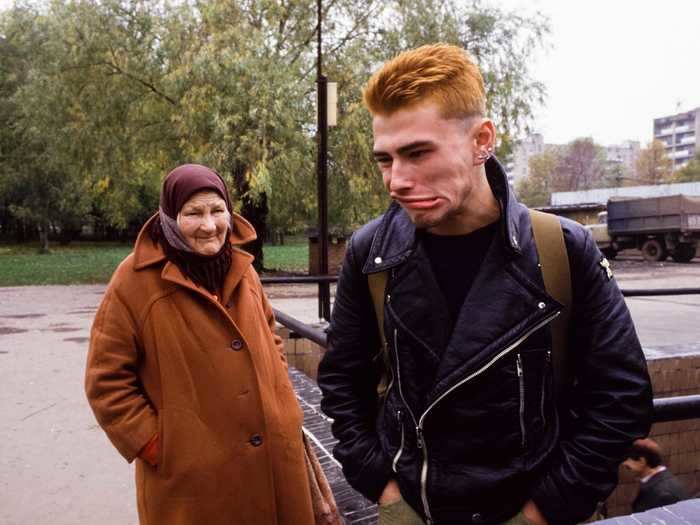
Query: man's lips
point(419, 204)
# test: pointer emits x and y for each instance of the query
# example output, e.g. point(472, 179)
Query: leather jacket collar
point(396, 235)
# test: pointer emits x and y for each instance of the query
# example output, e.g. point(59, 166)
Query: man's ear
point(484, 140)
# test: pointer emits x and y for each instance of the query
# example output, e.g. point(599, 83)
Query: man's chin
point(423, 221)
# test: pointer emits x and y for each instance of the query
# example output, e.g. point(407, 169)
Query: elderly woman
point(186, 376)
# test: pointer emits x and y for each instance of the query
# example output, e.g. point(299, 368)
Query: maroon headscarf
point(186, 180)
point(178, 186)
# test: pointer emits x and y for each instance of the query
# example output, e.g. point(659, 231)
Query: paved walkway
point(56, 465)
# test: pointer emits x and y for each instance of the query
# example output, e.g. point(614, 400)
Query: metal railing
point(315, 279)
point(676, 408)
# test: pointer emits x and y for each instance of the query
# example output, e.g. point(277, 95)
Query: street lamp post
point(324, 295)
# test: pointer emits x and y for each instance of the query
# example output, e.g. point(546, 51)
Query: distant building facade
point(519, 166)
point(679, 134)
point(623, 157)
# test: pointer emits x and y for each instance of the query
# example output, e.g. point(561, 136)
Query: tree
point(581, 166)
point(536, 188)
point(117, 92)
point(688, 173)
point(653, 165)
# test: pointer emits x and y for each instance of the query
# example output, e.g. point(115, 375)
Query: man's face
point(638, 467)
point(427, 164)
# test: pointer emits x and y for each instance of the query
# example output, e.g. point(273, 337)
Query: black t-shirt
point(456, 260)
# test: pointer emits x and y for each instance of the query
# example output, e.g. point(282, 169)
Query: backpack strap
point(377, 289)
point(554, 261)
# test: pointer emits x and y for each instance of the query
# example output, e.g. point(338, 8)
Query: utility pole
point(324, 293)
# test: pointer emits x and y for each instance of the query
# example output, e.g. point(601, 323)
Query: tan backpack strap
point(377, 289)
point(554, 260)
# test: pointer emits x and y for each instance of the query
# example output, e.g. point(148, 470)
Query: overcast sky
point(613, 66)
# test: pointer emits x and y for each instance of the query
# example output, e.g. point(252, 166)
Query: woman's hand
point(150, 452)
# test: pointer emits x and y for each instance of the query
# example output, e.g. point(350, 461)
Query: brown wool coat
point(209, 376)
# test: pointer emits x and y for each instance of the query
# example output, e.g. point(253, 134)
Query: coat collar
point(147, 253)
point(396, 235)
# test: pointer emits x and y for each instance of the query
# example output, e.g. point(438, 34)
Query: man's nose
point(400, 177)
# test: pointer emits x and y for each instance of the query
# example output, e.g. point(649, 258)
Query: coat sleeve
point(348, 379)
point(610, 401)
point(112, 382)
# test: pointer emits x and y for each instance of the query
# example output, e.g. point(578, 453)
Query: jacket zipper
point(545, 378)
point(521, 406)
point(399, 416)
point(419, 426)
point(413, 418)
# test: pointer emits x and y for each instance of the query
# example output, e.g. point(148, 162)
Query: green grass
point(293, 256)
point(86, 263)
point(77, 263)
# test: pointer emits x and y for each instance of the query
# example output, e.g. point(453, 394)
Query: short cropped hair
point(647, 449)
point(440, 73)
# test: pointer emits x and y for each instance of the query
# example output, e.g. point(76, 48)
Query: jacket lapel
point(501, 306)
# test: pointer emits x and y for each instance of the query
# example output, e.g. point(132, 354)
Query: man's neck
point(651, 472)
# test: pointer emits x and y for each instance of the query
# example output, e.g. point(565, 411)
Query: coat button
point(236, 344)
point(476, 517)
point(256, 440)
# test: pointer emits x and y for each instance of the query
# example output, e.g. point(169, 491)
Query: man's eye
point(416, 153)
point(383, 161)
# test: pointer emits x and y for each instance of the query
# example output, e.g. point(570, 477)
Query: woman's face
point(204, 222)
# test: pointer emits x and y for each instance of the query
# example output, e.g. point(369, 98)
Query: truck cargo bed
point(673, 213)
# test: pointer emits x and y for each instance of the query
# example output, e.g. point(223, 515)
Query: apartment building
point(623, 158)
point(679, 134)
point(518, 166)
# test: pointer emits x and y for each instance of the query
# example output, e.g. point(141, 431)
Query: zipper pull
point(519, 365)
point(419, 434)
point(548, 356)
point(399, 415)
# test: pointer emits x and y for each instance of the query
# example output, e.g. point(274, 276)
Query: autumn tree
point(580, 166)
point(688, 173)
point(536, 188)
point(653, 165)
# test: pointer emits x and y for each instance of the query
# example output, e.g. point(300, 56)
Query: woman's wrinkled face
point(204, 222)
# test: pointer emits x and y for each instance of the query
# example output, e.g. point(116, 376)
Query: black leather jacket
point(487, 433)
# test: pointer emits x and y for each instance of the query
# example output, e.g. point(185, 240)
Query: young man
point(470, 429)
point(657, 486)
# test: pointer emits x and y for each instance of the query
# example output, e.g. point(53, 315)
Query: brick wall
point(679, 440)
point(301, 353)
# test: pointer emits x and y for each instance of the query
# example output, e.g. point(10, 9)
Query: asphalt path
point(56, 465)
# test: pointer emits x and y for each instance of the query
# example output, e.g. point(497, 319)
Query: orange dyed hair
point(439, 73)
